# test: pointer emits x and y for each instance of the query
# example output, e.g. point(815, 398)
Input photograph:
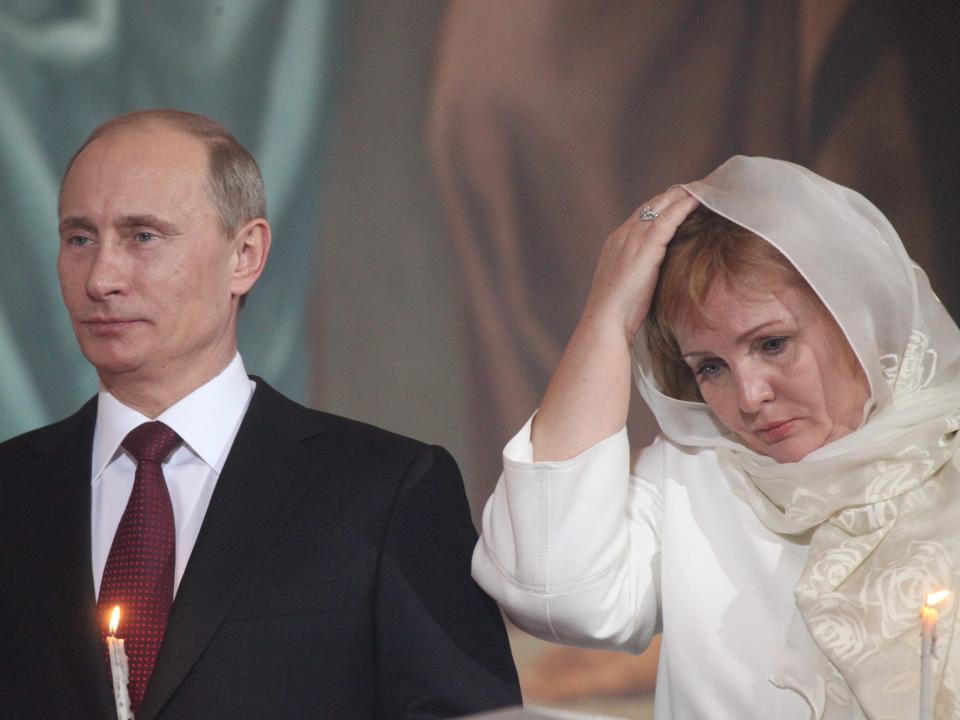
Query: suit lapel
point(63, 556)
point(265, 476)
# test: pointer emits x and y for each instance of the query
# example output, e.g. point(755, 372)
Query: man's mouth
point(107, 325)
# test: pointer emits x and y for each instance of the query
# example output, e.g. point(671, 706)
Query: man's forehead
point(136, 173)
point(146, 152)
point(144, 137)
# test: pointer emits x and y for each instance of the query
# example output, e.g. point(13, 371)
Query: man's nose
point(753, 390)
point(108, 272)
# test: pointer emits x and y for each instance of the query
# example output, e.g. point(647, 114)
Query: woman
point(802, 498)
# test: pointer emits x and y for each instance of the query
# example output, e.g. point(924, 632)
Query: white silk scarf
point(881, 506)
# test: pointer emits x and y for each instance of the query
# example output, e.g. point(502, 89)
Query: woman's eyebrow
point(762, 326)
point(740, 338)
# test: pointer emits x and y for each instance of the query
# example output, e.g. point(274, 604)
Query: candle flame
point(936, 598)
point(114, 619)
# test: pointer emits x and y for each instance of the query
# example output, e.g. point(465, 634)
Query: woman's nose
point(753, 390)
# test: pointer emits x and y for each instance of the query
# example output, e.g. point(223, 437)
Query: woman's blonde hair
point(707, 248)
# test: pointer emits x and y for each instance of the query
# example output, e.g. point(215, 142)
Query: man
point(270, 561)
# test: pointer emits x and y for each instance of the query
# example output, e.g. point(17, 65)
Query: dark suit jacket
point(330, 579)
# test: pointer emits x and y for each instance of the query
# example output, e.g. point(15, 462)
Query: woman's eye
point(772, 346)
point(709, 369)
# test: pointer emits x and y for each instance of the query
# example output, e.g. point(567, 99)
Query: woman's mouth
point(772, 432)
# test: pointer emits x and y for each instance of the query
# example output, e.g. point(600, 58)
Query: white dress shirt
point(594, 552)
point(207, 420)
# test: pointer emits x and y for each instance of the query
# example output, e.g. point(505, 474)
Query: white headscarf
point(882, 505)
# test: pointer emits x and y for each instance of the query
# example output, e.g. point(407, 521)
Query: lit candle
point(119, 668)
point(928, 651)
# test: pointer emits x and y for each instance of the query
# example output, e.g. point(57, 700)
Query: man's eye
point(144, 237)
point(78, 240)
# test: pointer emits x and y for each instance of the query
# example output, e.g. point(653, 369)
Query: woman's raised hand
point(630, 260)
point(589, 395)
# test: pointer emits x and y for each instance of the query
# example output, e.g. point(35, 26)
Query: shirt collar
point(207, 419)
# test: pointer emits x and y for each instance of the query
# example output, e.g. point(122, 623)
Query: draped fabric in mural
point(262, 67)
point(552, 121)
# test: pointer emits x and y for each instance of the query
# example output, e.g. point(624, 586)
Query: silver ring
point(648, 215)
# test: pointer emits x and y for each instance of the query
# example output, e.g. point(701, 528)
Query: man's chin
point(113, 365)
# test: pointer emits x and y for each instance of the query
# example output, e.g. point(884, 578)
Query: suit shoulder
point(371, 435)
point(361, 445)
point(43, 438)
point(350, 436)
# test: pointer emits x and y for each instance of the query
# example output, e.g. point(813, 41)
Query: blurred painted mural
point(442, 174)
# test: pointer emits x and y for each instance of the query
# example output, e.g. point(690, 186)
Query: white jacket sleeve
point(571, 549)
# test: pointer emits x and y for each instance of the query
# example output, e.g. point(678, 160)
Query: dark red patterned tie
point(139, 572)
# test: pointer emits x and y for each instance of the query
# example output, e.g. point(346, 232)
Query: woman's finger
point(674, 204)
point(655, 228)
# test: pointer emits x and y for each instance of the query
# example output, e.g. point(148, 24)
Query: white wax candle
point(928, 651)
point(119, 669)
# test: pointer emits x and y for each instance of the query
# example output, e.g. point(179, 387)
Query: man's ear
point(251, 245)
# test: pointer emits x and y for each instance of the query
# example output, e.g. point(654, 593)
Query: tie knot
point(151, 442)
